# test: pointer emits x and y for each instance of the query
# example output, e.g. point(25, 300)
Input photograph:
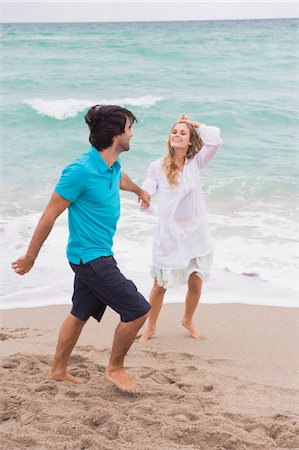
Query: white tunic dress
point(182, 233)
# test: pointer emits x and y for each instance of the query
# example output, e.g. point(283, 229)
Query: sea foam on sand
point(50, 282)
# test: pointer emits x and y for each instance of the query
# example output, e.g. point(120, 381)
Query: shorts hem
point(137, 316)
point(78, 316)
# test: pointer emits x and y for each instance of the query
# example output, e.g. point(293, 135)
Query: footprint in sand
point(166, 377)
point(28, 418)
point(170, 357)
point(18, 333)
point(9, 414)
point(81, 372)
point(28, 365)
point(102, 421)
point(208, 388)
point(72, 394)
point(183, 415)
point(11, 363)
point(100, 368)
point(281, 429)
point(78, 359)
point(220, 361)
point(85, 348)
point(111, 430)
point(97, 419)
point(4, 336)
point(145, 414)
point(31, 367)
point(191, 368)
point(47, 386)
point(27, 442)
point(187, 387)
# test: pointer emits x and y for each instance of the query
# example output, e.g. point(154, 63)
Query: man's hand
point(55, 207)
point(126, 184)
point(145, 199)
point(23, 264)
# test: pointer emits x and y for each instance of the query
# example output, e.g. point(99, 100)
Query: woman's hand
point(193, 123)
point(144, 199)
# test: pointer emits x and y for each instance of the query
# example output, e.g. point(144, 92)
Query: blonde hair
point(169, 165)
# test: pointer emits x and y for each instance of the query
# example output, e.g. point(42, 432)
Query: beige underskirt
point(172, 278)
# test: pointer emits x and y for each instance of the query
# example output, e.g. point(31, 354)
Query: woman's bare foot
point(65, 377)
point(147, 334)
point(122, 380)
point(193, 330)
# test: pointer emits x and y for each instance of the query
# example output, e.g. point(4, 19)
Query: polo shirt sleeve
point(72, 182)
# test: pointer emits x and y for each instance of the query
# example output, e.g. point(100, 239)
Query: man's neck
point(109, 155)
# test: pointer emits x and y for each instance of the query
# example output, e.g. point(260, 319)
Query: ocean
point(241, 76)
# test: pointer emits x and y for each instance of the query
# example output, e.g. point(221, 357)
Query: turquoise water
point(238, 75)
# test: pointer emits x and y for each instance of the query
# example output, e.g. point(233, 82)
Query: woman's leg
point(191, 302)
point(156, 301)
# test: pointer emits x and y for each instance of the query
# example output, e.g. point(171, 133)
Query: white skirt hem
point(172, 278)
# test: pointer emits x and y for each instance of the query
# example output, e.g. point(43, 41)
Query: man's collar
point(100, 162)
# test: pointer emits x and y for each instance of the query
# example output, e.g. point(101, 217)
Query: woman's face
point(180, 136)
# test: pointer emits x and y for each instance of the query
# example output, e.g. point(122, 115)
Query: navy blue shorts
point(98, 284)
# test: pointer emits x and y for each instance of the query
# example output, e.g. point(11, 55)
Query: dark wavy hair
point(105, 122)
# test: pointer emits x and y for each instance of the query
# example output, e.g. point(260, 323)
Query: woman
point(182, 247)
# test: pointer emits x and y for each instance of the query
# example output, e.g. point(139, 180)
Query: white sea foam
point(62, 109)
point(258, 243)
point(240, 250)
point(58, 109)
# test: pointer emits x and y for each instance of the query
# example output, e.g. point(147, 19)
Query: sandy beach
point(237, 389)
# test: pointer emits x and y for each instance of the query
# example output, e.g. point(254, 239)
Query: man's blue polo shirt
point(92, 187)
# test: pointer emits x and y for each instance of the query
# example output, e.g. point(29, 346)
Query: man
point(89, 188)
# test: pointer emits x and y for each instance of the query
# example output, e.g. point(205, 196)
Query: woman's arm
point(212, 144)
point(150, 183)
point(211, 139)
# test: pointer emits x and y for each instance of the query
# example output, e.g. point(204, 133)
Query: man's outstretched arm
point(126, 184)
point(55, 207)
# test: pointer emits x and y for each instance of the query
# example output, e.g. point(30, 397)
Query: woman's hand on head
point(183, 118)
point(193, 123)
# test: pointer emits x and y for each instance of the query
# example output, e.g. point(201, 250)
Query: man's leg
point(156, 302)
point(68, 336)
point(111, 288)
point(124, 337)
point(191, 302)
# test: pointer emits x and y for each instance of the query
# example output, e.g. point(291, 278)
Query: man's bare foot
point(193, 330)
point(122, 380)
point(65, 377)
point(146, 335)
